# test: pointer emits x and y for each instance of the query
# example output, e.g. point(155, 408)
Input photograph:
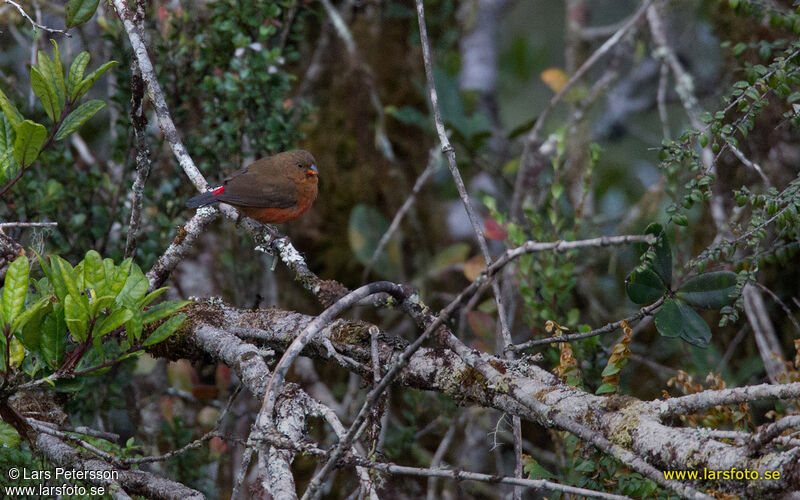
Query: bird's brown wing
point(244, 189)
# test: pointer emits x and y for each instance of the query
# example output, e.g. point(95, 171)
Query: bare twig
point(532, 139)
point(769, 432)
point(181, 245)
point(214, 432)
point(645, 311)
point(781, 303)
point(433, 160)
point(661, 99)
point(438, 455)
point(447, 149)
point(34, 23)
point(156, 96)
point(142, 152)
point(769, 346)
point(281, 441)
point(265, 416)
point(5, 225)
point(684, 405)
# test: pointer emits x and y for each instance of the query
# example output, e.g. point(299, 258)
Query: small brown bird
point(271, 190)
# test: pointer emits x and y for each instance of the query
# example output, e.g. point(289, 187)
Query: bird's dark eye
point(300, 165)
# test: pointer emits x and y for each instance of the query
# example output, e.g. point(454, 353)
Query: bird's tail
point(202, 200)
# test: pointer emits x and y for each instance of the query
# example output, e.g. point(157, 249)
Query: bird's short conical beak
point(312, 170)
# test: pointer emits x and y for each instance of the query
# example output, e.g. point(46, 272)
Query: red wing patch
point(218, 191)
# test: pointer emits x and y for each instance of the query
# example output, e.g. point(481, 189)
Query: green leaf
point(114, 320)
point(87, 83)
point(77, 318)
point(677, 319)
point(166, 329)
point(30, 328)
point(53, 342)
point(53, 274)
point(365, 229)
point(134, 290)
point(26, 315)
point(613, 369)
point(45, 90)
point(9, 437)
point(8, 165)
point(31, 136)
point(644, 287)
point(51, 70)
point(134, 354)
point(10, 111)
point(76, 74)
point(606, 388)
point(535, 471)
point(150, 297)
point(80, 11)
point(134, 327)
point(16, 353)
point(67, 275)
point(116, 276)
point(94, 274)
point(77, 118)
point(710, 290)
point(15, 288)
point(58, 73)
point(662, 258)
point(163, 310)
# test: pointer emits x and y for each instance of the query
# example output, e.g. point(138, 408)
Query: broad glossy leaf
point(8, 165)
point(134, 290)
point(80, 11)
point(644, 287)
point(710, 290)
point(94, 274)
point(67, 274)
point(31, 136)
point(53, 342)
point(58, 73)
point(10, 111)
point(164, 330)
point(77, 118)
point(163, 310)
point(114, 320)
point(15, 288)
point(76, 74)
point(677, 319)
point(54, 77)
point(87, 83)
point(134, 327)
point(45, 90)
point(77, 317)
point(30, 331)
point(150, 297)
point(53, 273)
point(16, 353)
point(22, 319)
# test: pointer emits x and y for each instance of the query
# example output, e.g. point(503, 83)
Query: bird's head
point(302, 165)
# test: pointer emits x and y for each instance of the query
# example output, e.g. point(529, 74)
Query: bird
point(271, 190)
